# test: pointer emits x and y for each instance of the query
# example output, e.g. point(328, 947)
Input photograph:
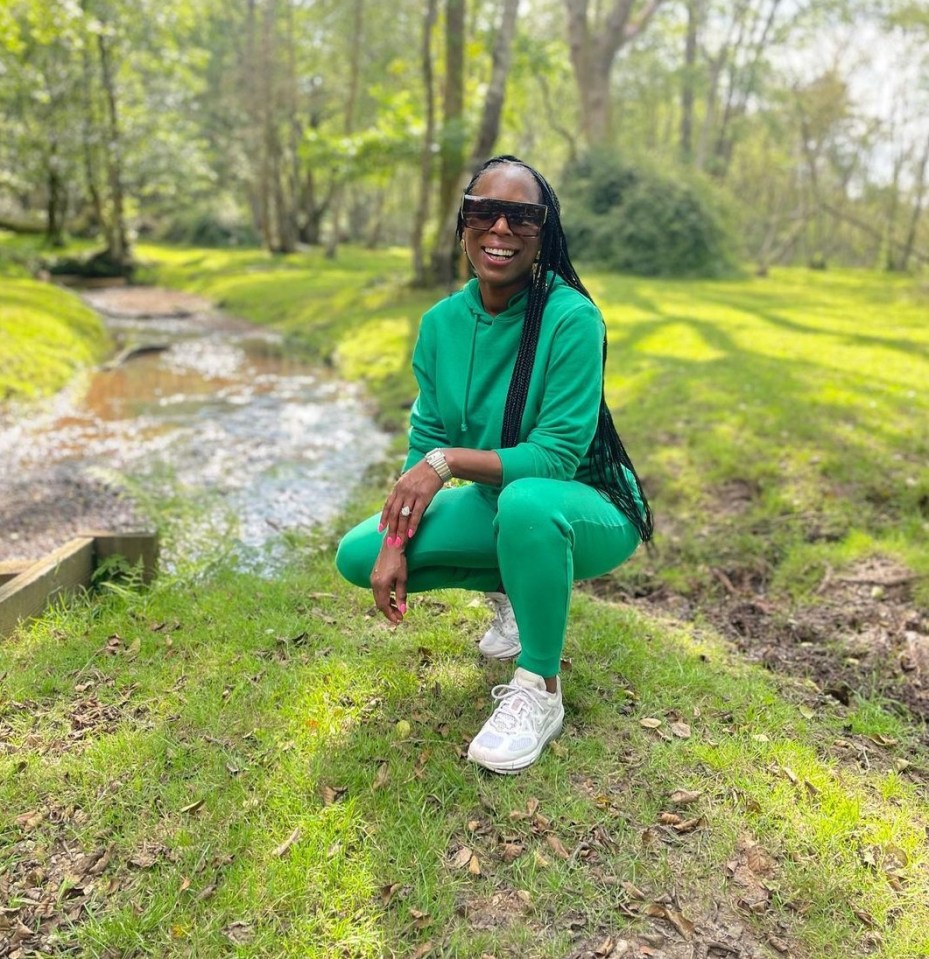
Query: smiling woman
point(510, 375)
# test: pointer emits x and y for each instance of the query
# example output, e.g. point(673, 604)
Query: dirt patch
point(48, 884)
point(139, 302)
point(861, 633)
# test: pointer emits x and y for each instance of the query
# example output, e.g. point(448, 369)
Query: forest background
point(801, 125)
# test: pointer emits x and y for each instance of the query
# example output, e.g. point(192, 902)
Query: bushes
point(633, 220)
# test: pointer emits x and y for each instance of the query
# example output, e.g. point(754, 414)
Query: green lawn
point(215, 766)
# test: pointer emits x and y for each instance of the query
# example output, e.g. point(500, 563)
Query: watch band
point(436, 459)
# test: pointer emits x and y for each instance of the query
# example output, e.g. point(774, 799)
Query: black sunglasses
point(482, 212)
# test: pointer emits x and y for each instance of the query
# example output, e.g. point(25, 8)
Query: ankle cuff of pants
point(541, 666)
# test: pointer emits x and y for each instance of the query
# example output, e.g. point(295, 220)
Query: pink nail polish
point(402, 607)
point(380, 527)
point(409, 533)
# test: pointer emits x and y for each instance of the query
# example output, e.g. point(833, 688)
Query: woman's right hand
point(388, 583)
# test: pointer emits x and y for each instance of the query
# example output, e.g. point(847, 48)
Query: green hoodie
point(463, 362)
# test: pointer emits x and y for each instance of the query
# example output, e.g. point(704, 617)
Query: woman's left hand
point(408, 500)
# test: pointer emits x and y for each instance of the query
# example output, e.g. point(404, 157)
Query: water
point(258, 443)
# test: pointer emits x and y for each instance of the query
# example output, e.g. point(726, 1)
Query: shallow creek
point(200, 409)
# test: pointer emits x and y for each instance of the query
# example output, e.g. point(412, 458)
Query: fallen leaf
point(423, 950)
point(474, 866)
point(669, 819)
point(383, 774)
point(557, 846)
point(389, 891)
point(790, 774)
point(677, 919)
point(29, 820)
point(633, 891)
point(650, 722)
point(194, 806)
point(531, 806)
point(558, 749)
point(283, 848)
point(462, 858)
point(688, 825)
point(684, 797)
point(241, 933)
point(540, 860)
point(511, 851)
point(605, 949)
point(880, 740)
point(760, 738)
point(332, 794)
point(681, 730)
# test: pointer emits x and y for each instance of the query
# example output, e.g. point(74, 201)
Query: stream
point(200, 413)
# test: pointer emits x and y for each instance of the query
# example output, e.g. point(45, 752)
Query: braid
point(612, 467)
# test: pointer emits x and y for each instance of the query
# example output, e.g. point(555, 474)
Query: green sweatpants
point(536, 538)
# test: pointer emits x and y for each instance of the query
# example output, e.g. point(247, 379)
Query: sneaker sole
point(510, 653)
point(517, 765)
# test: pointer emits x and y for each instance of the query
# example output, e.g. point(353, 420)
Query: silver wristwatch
point(436, 459)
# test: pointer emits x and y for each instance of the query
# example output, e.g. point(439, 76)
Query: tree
point(443, 256)
point(595, 44)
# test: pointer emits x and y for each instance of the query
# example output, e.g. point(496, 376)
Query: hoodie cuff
point(517, 462)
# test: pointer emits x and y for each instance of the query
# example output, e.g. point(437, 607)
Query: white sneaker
point(501, 641)
point(525, 721)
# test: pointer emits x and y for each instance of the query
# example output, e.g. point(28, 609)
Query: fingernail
point(409, 533)
point(380, 527)
point(402, 607)
point(398, 541)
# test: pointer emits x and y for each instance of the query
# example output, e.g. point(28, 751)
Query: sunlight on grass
point(234, 741)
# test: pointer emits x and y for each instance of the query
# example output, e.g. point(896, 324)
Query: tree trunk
point(443, 255)
point(688, 81)
point(452, 153)
point(420, 274)
point(742, 84)
point(594, 47)
point(357, 43)
point(117, 235)
point(907, 252)
point(57, 199)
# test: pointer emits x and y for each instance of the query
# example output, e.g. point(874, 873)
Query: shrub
point(633, 220)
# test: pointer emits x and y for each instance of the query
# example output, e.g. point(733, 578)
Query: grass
point(47, 333)
point(230, 744)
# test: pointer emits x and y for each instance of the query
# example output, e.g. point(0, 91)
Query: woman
point(510, 374)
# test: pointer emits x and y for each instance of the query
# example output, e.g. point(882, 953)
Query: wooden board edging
point(29, 588)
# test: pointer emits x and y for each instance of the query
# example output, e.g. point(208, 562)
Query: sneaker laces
point(514, 709)
point(504, 620)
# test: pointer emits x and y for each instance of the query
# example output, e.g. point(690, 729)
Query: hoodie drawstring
point(467, 392)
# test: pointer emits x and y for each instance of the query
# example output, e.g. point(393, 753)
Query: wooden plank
point(68, 568)
point(11, 568)
point(135, 548)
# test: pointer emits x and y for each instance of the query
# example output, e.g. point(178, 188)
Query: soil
point(860, 633)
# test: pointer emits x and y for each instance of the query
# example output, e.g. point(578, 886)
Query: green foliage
point(207, 228)
point(634, 220)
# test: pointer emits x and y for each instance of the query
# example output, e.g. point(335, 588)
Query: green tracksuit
point(544, 526)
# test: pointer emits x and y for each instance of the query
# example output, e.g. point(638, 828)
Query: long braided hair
point(607, 454)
